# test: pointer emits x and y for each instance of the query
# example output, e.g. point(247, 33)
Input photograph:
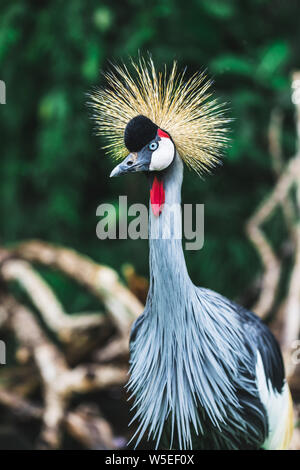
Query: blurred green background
point(53, 173)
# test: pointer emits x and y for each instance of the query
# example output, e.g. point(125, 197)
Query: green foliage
point(53, 174)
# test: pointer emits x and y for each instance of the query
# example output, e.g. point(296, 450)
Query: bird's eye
point(153, 146)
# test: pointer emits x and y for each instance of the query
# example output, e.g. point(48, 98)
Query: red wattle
point(157, 196)
point(162, 133)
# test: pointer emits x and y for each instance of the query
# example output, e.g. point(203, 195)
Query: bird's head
point(151, 148)
point(155, 116)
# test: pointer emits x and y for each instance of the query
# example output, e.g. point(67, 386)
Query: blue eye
point(153, 146)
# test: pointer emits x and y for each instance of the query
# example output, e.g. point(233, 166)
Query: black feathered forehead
point(139, 132)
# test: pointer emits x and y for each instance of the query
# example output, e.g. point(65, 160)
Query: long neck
point(185, 345)
point(168, 270)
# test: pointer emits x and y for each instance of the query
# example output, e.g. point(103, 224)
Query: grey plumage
point(191, 369)
point(205, 372)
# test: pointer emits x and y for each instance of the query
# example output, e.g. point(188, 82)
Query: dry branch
point(275, 150)
point(292, 309)
point(269, 259)
point(101, 281)
point(88, 426)
point(46, 363)
point(85, 423)
point(59, 381)
point(46, 302)
point(280, 196)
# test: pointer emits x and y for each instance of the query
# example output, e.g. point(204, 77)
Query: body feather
point(202, 368)
point(205, 373)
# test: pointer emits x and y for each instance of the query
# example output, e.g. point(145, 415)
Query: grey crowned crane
point(205, 373)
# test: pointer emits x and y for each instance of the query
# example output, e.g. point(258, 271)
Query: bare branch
point(269, 259)
point(44, 299)
point(102, 281)
point(84, 423)
point(59, 381)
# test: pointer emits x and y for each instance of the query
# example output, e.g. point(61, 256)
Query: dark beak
point(133, 163)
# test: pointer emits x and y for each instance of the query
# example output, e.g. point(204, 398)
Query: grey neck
point(168, 270)
point(186, 347)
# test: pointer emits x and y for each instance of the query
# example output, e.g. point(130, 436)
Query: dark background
point(53, 173)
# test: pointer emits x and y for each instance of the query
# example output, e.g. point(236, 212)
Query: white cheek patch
point(163, 156)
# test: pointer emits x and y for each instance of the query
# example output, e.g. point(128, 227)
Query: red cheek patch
point(161, 133)
point(157, 196)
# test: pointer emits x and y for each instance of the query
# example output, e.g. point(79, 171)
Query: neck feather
point(168, 271)
point(186, 348)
